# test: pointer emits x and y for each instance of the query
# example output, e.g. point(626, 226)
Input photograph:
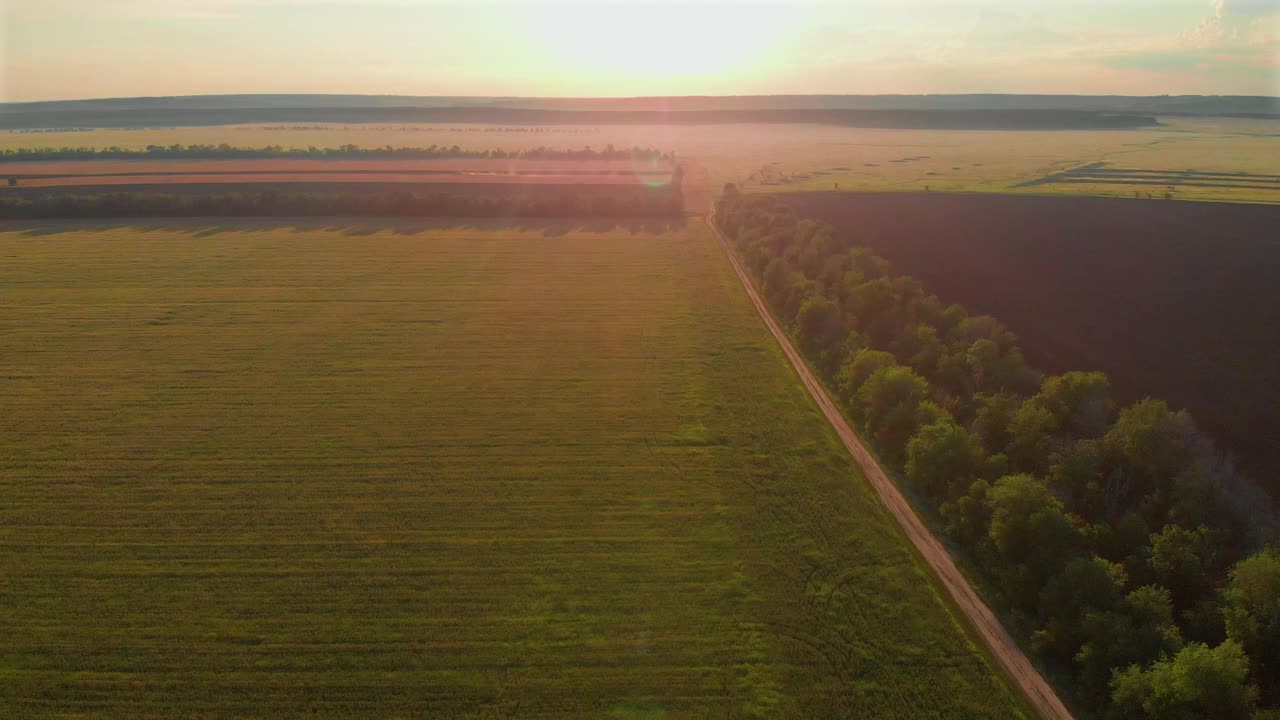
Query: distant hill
point(923, 111)
point(1151, 105)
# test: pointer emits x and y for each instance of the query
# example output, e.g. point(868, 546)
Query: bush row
point(561, 203)
point(228, 152)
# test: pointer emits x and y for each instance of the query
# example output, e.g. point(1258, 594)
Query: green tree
point(776, 275)
point(1079, 401)
point(1147, 447)
point(983, 358)
point(856, 370)
point(1031, 534)
point(1030, 435)
point(925, 350)
point(798, 291)
point(888, 401)
point(1251, 608)
point(1139, 631)
point(943, 459)
point(1076, 476)
point(819, 326)
point(874, 306)
point(1177, 561)
point(1198, 682)
point(992, 417)
point(1085, 584)
point(968, 517)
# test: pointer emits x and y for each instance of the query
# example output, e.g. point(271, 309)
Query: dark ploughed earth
point(1176, 300)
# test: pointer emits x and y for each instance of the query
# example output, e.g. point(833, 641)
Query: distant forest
point(54, 116)
point(1139, 567)
point(560, 202)
point(989, 111)
point(1207, 105)
point(344, 152)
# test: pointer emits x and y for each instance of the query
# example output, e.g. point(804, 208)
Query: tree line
point(559, 204)
point(224, 151)
point(1136, 563)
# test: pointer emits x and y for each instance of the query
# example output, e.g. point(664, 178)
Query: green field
point(301, 471)
point(774, 158)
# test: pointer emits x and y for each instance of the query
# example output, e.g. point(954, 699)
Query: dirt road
point(1023, 674)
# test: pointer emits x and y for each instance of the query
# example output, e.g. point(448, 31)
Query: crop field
point(240, 172)
point(778, 158)
point(1173, 300)
point(261, 470)
point(1164, 183)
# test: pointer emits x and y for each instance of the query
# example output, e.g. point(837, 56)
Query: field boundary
point(1012, 660)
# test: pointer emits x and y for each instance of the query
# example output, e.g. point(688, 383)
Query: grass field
point(818, 157)
point(264, 472)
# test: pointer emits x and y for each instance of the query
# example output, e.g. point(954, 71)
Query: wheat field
point(255, 469)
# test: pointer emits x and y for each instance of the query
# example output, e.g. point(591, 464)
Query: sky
point(68, 49)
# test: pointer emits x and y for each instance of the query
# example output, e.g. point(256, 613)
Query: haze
point(66, 49)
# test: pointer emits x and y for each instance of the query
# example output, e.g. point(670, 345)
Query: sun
point(658, 41)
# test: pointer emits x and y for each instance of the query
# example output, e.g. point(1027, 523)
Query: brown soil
point(1176, 300)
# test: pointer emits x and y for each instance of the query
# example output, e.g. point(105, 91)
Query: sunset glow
point(638, 44)
point(646, 47)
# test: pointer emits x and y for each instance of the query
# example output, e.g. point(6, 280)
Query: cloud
point(1245, 8)
point(1233, 49)
point(1236, 23)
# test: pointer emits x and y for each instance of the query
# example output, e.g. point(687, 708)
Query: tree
point(887, 403)
point(929, 412)
point(1139, 631)
point(857, 369)
point(1031, 534)
point(1076, 477)
point(926, 350)
point(798, 291)
point(992, 418)
point(1148, 446)
point(1177, 562)
point(873, 305)
point(776, 275)
point(818, 326)
point(943, 459)
point(968, 517)
point(977, 327)
point(1079, 401)
point(1251, 608)
point(1198, 682)
point(1030, 431)
point(1085, 584)
point(867, 264)
point(983, 358)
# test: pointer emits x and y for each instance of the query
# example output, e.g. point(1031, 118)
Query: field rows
point(435, 474)
point(795, 158)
